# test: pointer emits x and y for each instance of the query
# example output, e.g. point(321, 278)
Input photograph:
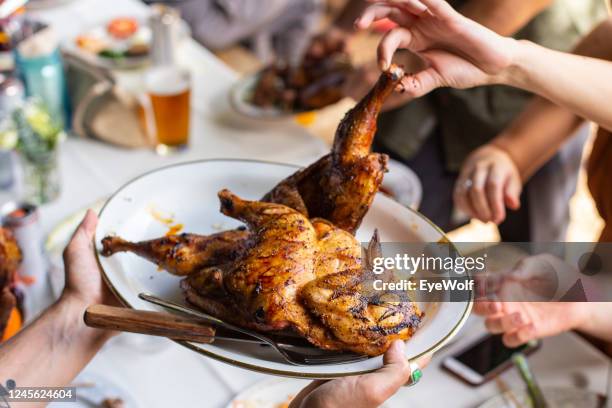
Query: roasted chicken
point(301, 275)
point(10, 259)
point(297, 265)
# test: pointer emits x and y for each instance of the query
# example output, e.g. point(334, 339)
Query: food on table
point(121, 38)
point(122, 27)
point(10, 256)
point(314, 84)
point(91, 44)
point(137, 50)
point(184, 254)
point(10, 259)
point(297, 265)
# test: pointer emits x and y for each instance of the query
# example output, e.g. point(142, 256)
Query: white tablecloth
point(159, 373)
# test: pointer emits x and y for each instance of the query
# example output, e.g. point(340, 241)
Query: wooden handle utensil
point(148, 322)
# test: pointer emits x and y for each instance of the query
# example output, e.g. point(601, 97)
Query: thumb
point(83, 235)
point(512, 193)
point(394, 356)
point(421, 83)
point(394, 373)
point(89, 224)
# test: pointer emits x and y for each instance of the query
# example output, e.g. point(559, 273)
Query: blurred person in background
point(273, 29)
point(435, 134)
point(491, 178)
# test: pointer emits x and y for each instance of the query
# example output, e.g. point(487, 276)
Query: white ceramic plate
point(402, 183)
point(99, 31)
point(187, 193)
point(269, 393)
point(240, 99)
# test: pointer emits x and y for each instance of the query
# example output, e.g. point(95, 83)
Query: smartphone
point(484, 359)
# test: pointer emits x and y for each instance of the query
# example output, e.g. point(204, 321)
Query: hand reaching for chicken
point(459, 52)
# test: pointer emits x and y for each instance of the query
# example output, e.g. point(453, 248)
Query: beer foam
point(167, 81)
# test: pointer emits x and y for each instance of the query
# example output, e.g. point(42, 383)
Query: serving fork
point(296, 355)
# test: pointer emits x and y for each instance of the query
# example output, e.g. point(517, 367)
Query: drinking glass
point(169, 91)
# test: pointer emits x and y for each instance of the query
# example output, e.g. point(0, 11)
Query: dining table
point(157, 372)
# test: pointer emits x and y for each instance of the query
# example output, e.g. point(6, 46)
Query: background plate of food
point(182, 198)
point(280, 91)
point(120, 43)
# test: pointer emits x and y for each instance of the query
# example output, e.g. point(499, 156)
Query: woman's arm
point(597, 320)
point(536, 134)
point(578, 83)
point(55, 348)
point(461, 53)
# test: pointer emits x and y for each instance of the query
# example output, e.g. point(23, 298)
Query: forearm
point(580, 84)
point(536, 135)
point(53, 349)
point(505, 17)
point(595, 320)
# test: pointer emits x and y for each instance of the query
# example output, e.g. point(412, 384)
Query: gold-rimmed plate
point(186, 194)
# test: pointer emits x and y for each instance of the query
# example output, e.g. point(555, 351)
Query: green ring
point(416, 376)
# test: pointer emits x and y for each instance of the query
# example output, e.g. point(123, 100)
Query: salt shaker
point(165, 25)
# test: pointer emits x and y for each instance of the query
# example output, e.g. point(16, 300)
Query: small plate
point(269, 393)
point(187, 193)
point(240, 99)
point(99, 32)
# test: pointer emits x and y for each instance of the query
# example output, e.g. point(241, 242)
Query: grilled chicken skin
point(10, 259)
point(260, 289)
point(363, 320)
point(266, 280)
point(185, 253)
point(340, 187)
point(301, 275)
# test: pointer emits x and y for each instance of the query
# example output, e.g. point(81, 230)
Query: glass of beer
point(169, 92)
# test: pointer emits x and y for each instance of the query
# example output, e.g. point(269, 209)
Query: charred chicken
point(297, 265)
point(10, 259)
